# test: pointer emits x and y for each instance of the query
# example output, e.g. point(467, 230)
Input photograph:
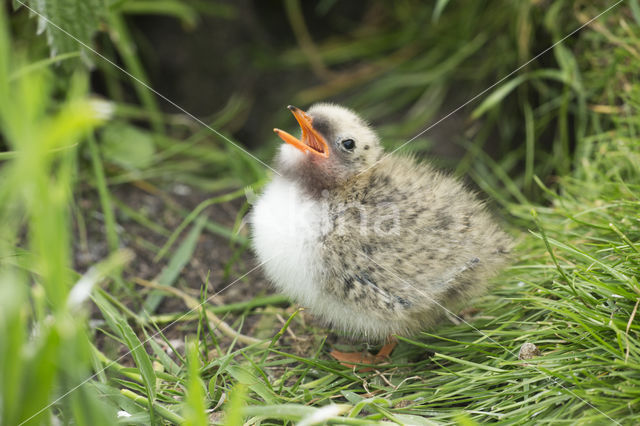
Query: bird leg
point(385, 351)
point(350, 359)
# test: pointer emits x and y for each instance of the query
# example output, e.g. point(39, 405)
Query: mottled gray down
point(401, 242)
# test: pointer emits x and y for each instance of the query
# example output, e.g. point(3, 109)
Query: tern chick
point(373, 244)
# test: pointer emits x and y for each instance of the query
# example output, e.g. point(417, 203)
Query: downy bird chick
point(373, 244)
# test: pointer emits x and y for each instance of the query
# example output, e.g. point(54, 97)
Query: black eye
point(348, 144)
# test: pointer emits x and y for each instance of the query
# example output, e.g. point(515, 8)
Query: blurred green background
point(124, 182)
point(402, 65)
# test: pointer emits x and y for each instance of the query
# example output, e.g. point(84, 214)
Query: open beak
point(311, 141)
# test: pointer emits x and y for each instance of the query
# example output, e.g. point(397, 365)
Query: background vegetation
point(123, 184)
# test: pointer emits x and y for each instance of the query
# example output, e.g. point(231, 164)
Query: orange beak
point(311, 141)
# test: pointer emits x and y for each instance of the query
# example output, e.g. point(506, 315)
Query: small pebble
point(528, 351)
point(180, 189)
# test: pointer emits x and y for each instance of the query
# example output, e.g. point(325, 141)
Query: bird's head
point(335, 144)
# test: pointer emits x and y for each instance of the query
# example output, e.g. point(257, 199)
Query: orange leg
point(350, 359)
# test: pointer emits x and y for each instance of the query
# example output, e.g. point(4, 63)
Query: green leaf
point(635, 10)
point(305, 415)
point(13, 335)
point(497, 95)
point(505, 89)
point(374, 401)
point(351, 396)
point(248, 378)
point(177, 9)
point(180, 258)
point(195, 404)
point(169, 365)
point(127, 146)
point(67, 24)
point(39, 380)
point(437, 11)
point(234, 407)
point(119, 325)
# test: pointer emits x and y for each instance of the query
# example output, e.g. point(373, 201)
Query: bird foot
point(352, 359)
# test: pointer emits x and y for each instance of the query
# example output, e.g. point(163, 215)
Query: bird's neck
point(314, 181)
point(318, 185)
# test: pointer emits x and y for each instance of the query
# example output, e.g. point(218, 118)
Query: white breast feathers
point(287, 226)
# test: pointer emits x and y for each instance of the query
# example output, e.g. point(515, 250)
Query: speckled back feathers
point(428, 245)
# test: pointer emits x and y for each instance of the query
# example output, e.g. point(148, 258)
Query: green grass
point(564, 176)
